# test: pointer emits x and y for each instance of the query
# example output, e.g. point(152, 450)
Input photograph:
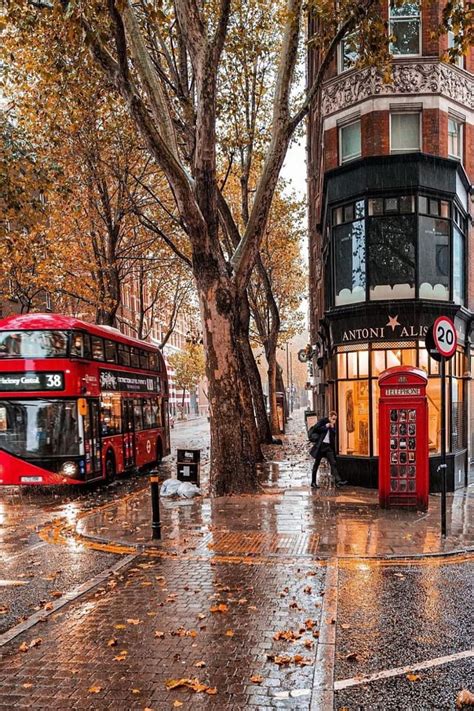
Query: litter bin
point(189, 463)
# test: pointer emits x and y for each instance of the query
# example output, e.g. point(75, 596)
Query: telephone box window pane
point(392, 257)
point(433, 256)
point(458, 266)
point(350, 263)
point(353, 420)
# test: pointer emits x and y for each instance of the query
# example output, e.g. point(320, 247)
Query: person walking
point(323, 436)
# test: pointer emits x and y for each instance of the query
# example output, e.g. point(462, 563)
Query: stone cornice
point(414, 77)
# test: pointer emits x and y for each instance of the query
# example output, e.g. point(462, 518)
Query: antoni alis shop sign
point(392, 329)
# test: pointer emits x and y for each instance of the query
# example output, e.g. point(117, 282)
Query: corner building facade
point(391, 237)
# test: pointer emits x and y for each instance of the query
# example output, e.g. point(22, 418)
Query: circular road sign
point(444, 336)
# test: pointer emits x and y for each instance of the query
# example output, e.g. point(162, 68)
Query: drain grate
point(258, 543)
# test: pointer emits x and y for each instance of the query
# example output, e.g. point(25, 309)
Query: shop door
point(128, 433)
point(92, 440)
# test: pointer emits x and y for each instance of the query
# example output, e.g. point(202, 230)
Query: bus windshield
point(39, 428)
point(33, 344)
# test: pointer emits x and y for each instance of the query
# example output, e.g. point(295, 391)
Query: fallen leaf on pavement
point(48, 606)
point(95, 689)
point(281, 659)
point(211, 690)
point(308, 589)
point(353, 657)
point(302, 661)
point(27, 685)
point(112, 642)
point(193, 684)
point(309, 624)
point(201, 616)
point(56, 593)
point(119, 627)
point(4, 609)
point(219, 608)
point(413, 677)
point(229, 633)
point(308, 644)
point(287, 635)
point(176, 704)
point(256, 678)
point(345, 627)
point(159, 635)
point(133, 621)
point(464, 698)
point(135, 691)
point(200, 664)
point(23, 647)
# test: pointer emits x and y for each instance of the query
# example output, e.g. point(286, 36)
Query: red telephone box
point(403, 438)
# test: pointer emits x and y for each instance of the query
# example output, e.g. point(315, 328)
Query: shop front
point(395, 260)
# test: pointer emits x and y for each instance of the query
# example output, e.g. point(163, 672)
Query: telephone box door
point(403, 438)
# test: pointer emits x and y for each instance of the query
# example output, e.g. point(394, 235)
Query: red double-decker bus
point(78, 402)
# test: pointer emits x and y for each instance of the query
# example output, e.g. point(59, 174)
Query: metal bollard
point(155, 506)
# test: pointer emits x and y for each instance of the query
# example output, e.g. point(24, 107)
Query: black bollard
point(155, 506)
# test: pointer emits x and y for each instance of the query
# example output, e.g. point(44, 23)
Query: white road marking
point(28, 551)
point(323, 679)
point(68, 597)
point(399, 671)
point(12, 583)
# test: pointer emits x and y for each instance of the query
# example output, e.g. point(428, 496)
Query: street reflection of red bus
point(78, 402)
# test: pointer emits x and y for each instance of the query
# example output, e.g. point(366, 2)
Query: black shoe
point(314, 485)
point(341, 483)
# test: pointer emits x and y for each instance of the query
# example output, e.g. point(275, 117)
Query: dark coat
point(317, 433)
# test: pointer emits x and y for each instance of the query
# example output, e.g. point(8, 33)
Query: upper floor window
point(455, 138)
point(348, 52)
point(405, 32)
point(405, 132)
point(350, 141)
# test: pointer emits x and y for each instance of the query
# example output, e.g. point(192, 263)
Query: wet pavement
point(288, 599)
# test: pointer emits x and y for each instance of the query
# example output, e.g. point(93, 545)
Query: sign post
point(441, 342)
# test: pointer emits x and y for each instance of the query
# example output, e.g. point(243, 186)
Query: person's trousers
point(325, 452)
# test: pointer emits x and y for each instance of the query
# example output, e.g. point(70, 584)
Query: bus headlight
point(69, 469)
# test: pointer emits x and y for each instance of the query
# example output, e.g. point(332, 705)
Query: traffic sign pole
point(443, 465)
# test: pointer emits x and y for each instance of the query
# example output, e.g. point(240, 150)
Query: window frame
point(353, 122)
point(399, 151)
point(405, 18)
point(460, 137)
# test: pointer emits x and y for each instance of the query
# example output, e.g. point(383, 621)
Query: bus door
point(92, 440)
point(128, 433)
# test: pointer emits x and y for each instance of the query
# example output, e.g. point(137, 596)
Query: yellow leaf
point(112, 642)
point(120, 627)
point(211, 690)
point(219, 608)
point(256, 679)
point(24, 647)
point(133, 621)
point(200, 664)
point(229, 633)
point(95, 689)
point(413, 677)
point(159, 635)
point(135, 691)
point(27, 685)
point(177, 704)
point(464, 698)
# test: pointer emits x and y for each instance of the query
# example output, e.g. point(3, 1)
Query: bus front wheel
point(109, 467)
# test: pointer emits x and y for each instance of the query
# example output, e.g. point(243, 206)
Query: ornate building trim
point(410, 78)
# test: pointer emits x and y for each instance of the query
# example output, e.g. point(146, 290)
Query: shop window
point(433, 392)
point(405, 132)
point(350, 141)
point(378, 362)
point(350, 276)
point(389, 206)
point(455, 138)
point(353, 420)
point(391, 246)
point(348, 52)
point(405, 35)
point(458, 266)
point(433, 259)
point(457, 414)
point(375, 417)
point(341, 366)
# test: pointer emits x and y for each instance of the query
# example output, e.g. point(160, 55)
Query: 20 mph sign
point(441, 339)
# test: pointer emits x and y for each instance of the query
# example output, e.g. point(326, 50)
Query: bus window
point(123, 354)
point(137, 414)
point(110, 352)
point(144, 360)
point(87, 346)
point(110, 415)
point(147, 415)
point(155, 405)
point(153, 359)
point(77, 345)
point(33, 344)
point(97, 348)
point(134, 357)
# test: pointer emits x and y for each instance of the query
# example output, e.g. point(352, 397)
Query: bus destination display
point(31, 381)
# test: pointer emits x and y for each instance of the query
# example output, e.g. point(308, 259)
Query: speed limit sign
point(441, 339)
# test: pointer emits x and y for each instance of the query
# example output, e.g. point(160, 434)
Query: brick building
point(391, 236)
